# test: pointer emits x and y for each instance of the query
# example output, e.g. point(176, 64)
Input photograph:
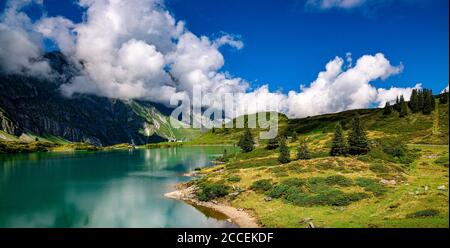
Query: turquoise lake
point(102, 189)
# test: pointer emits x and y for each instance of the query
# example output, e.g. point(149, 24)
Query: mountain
point(34, 107)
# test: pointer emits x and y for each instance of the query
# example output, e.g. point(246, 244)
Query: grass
point(344, 191)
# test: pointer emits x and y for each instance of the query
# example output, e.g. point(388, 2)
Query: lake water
point(102, 189)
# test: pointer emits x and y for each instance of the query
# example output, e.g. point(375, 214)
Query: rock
point(311, 225)
point(426, 188)
point(229, 220)
point(240, 209)
point(234, 194)
point(214, 202)
point(305, 220)
point(442, 187)
point(388, 182)
point(268, 198)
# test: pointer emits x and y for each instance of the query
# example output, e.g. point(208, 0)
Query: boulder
point(442, 187)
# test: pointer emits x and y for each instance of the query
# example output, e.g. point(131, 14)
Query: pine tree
point(272, 144)
point(246, 143)
point(432, 101)
point(387, 109)
point(284, 152)
point(414, 101)
point(420, 101)
point(302, 151)
point(397, 104)
point(357, 139)
point(338, 146)
point(443, 97)
point(403, 110)
point(427, 99)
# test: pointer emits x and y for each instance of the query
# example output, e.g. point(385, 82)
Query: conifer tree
point(284, 157)
point(420, 101)
point(427, 99)
point(443, 97)
point(414, 101)
point(403, 109)
point(387, 109)
point(357, 139)
point(432, 101)
point(272, 144)
point(397, 104)
point(246, 143)
point(302, 151)
point(338, 146)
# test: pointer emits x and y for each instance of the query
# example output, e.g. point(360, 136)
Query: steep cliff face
point(36, 106)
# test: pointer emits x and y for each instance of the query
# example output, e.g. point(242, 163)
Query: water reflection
point(103, 189)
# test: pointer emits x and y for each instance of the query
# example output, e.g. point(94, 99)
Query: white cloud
point(60, 30)
point(336, 89)
point(20, 45)
point(390, 95)
point(330, 4)
point(445, 90)
point(136, 49)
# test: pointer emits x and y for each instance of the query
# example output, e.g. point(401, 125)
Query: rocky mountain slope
point(34, 107)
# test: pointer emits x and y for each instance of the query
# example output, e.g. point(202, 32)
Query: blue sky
point(287, 44)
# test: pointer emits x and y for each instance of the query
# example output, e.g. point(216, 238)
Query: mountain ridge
point(32, 105)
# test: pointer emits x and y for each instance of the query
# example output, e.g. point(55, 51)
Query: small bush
point(317, 184)
point(443, 160)
point(261, 185)
point(234, 179)
point(327, 198)
point(209, 191)
point(294, 182)
point(371, 185)
point(423, 213)
point(379, 168)
point(339, 180)
point(278, 191)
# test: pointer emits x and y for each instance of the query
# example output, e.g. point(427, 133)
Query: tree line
point(355, 144)
point(421, 101)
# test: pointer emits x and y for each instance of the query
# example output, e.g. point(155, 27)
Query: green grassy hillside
point(401, 182)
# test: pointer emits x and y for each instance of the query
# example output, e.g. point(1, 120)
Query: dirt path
point(237, 216)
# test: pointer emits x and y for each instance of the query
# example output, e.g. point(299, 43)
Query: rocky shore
point(238, 216)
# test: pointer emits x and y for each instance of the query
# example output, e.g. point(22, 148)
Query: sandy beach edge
point(238, 216)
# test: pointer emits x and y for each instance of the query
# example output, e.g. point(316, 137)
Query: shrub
point(294, 182)
point(379, 168)
point(423, 213)
point(302, 151)
point(296, 196)
point(443, 160)
point(261, 185)
point(272, 144)
point(317, 184)
point(234, 179)
point(278, 191)
point(327, 198)
point(339, 180)
point(371, 185)
point(209, 191)
point(246, 143)
point(284, 156)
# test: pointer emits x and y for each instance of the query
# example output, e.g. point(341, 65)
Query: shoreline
point(237, 216)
